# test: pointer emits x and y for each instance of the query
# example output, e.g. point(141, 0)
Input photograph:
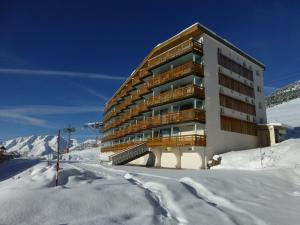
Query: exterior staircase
point(129, 154)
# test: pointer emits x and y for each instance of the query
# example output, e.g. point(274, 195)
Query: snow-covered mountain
point(284, 94)
point(35, 146)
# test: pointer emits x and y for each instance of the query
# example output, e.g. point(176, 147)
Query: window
point(258, 88)
point(163, 111)
point(257, 73)
point(175, 131)
point(198, 59)
point(165, 132)
point(199, 104)
point(260, 105)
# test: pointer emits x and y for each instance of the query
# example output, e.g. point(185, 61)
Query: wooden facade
point(173, 141)
point(234, 66)
point(237, 105)
point(159, 120)
point(236, 85)
point(238, 126)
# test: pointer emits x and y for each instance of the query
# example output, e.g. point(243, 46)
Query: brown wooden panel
point(238, 126)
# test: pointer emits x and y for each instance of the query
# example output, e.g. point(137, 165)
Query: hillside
point(284, 94)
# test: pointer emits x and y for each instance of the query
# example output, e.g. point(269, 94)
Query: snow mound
point(91, 154)
point(283, 155)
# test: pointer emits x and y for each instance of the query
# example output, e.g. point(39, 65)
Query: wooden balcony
point(172, 141)
point(144, 72)
point(178, 72)
point(110, 103)
point(177, 94)
point(109, 115)
point(181, 49)
point(159, 120)
point(177, 141)
point(179, 117)
point(136, 80)
point(169, 96)
point(127, 116)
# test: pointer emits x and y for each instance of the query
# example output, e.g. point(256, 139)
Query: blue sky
point(61, 60)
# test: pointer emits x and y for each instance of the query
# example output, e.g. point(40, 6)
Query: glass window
point(258, 89)
point(165, 132)
point(175, 131)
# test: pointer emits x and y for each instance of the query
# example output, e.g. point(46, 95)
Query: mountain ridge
point(284, 94)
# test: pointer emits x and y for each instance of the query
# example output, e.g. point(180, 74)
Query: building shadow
point(12, 167)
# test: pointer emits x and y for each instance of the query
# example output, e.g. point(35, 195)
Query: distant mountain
point(284, 94)
point(35, 146)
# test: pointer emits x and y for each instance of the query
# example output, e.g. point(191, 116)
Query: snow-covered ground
point(92, 154)
point(283, 155)
point(90, 193)
point(239, 191)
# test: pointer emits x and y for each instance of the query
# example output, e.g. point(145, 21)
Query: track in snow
point(158, 195)
point(218, 202)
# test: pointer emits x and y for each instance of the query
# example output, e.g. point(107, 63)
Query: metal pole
point(57, 160)
point(69, 140)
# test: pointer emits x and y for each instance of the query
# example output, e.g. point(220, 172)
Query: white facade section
point(219, 141)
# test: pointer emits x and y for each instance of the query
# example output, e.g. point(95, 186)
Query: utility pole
point(57, 160)
point(69, 130)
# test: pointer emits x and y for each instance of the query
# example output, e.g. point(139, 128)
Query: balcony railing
point(183, 48)
point(178, 117)
point(171, 141)
point(144, 72)
point(177, 72)
point(169, 96)
point(179, 93)
point(177, 141)
point(109, 115)
point(159, 120)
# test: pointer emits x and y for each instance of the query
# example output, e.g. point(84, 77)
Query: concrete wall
point(226, 141)
point(179, 158)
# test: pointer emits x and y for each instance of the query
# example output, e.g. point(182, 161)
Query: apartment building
point(194, 95)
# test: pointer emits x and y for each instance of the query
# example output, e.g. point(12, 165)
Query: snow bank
point(283, 155)
point(88, 154)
